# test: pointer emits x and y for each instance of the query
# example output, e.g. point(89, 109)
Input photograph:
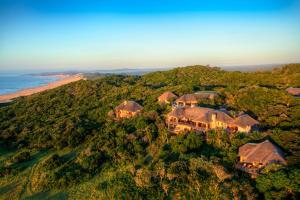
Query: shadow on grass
point(34, 159)
point(69, 156)
point(5, 151)
point(8, 188)
point(48, 196)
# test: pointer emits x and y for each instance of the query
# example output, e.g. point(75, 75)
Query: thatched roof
point(293, 91)
point(191, 113)
point(245, 120)
point(200, 114)
point(166, 96)
point(222, 117)
point(193, 98)
point(206, 94)
point(264, 152)
point(130, 106)
point(187, 98)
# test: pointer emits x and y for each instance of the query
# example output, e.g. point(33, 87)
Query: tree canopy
point(64, 141)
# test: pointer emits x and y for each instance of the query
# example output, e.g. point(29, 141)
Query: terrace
point(248, 167)
point(175, 126)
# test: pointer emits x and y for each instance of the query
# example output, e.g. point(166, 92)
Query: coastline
point(63, 80)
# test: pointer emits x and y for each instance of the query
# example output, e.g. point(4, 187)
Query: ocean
point(10, 83)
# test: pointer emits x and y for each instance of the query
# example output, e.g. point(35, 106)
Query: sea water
point(10, 83)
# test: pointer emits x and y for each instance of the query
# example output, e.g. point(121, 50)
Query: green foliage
point(280, 185)
point(123, 185)
point(137, 158)
point(190, 142)
point(19, 157)
point(271, 106)
point(52, 162)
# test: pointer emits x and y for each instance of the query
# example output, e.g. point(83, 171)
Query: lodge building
point(183, 119)
point(255, 156)
point(128, 109)
point(193, 99)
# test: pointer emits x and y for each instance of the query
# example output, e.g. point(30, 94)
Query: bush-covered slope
point(63, 144)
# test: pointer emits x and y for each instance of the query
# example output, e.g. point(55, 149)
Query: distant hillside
point(251, 68)
point(104, 72)
point(65, 144)
point(136, 71)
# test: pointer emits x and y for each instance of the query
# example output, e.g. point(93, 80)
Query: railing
point(186, 123)
point(181, 123)
point(192, 126)
point(249, 168)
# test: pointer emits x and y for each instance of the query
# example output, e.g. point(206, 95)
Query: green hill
point(62, 144)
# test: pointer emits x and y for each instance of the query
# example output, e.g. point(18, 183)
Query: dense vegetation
point(63, 143)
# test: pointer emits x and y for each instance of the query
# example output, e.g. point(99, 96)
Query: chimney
point(214, 117)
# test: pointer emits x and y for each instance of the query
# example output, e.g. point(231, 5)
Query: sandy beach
point(64, 79)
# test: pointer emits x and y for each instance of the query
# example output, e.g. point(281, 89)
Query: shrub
point(19, 157)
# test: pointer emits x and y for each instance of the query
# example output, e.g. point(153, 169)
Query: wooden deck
point(248, 168)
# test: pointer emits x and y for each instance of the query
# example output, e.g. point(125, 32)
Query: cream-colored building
point(204, 119)
point(193, 99)
point(255, 156)
point(128, 109)
point(187, 100)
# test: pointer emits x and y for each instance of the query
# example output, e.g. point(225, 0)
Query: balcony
point(177, 127)
point(248, 168)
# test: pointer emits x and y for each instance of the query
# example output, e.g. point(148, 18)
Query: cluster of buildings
point(187, 116)
point(201, 119)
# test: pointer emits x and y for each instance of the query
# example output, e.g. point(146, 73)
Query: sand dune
point(26, 92)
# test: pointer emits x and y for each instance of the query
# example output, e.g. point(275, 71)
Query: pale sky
point(108, 34)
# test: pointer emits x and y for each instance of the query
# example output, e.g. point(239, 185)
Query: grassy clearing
point(19, 186)
point(48, 195)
